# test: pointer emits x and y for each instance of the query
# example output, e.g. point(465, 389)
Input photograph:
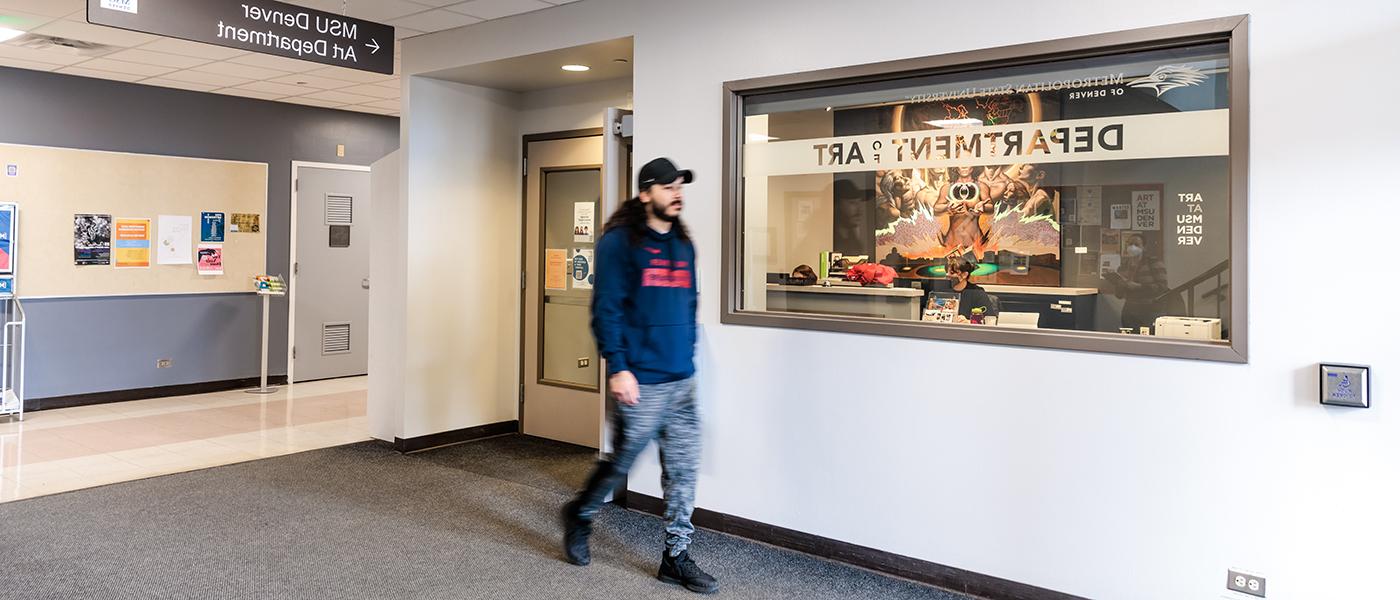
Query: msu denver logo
point(1169, 77)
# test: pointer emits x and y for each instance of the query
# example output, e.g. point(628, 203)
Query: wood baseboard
point(167, 391)
point(456, 436)
point(949, 578)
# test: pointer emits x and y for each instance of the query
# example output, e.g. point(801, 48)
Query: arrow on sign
point(373, 47)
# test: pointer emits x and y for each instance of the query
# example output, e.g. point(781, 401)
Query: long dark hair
point(632, 216)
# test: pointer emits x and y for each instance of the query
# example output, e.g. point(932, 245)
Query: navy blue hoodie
point(644, 301)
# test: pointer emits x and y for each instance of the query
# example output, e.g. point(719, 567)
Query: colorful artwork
point(131, 243)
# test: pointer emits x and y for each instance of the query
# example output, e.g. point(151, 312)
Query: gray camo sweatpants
point(666, 412)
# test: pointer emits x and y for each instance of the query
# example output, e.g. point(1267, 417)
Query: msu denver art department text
point(1013, 143)
point(326, 25)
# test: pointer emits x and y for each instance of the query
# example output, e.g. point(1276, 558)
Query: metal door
point(330, 276)
point(563, 214)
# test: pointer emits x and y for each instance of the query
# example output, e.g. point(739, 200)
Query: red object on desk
point(871, 274)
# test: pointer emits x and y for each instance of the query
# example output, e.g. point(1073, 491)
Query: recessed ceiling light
point(620, 60)
point(575, 68)
point(7, 34)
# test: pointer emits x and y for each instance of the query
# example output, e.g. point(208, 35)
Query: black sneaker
point(576, 532)
point(683, 571)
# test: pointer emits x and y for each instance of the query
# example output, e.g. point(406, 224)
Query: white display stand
point(12, 360)
point(262, 381)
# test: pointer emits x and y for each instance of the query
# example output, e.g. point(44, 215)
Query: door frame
point(292, 253)
point(525, 142)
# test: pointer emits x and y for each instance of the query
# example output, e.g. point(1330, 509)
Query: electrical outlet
point(164, 363)
point(1245, 583)
point(583, 363)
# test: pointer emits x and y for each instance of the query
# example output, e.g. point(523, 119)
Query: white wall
point(462, 175)
point(388, 266)
point(572, 107)
point(1104, 476)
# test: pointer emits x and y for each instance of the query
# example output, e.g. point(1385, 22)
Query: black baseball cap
point(661, 171)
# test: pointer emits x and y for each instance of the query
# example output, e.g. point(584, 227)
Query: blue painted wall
point(85, 345)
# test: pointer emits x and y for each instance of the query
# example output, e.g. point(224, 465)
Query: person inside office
point(971, 295)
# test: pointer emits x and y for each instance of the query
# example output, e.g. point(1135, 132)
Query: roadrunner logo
point(1169, 77)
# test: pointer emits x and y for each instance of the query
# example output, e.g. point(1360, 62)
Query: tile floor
point(54, 451)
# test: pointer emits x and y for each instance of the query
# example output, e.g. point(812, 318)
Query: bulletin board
point(51, 185)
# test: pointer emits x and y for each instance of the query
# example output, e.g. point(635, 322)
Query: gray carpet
point(361, 521)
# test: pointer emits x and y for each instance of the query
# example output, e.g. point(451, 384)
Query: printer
point(1188, 328)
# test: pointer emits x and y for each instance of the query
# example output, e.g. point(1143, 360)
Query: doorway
point(561, 389)
point(329, 283)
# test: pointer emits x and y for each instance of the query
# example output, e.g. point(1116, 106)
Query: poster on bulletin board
point(211, 227)
point(7, 238)
point(131, 243)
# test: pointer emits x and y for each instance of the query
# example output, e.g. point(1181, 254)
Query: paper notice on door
point(556, 272)
point(581, 266)
point(583, 222)
point(175, 233)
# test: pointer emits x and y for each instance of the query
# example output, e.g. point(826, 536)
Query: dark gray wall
point(90, 345)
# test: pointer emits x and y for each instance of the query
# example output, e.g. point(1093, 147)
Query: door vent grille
point(335, 338)
point(340, 210)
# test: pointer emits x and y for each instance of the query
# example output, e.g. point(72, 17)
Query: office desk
point(847, 300)
point(1059, 307)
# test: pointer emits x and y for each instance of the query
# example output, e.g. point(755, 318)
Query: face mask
point(1134, 251)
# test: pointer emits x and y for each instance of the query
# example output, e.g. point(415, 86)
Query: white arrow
point(373, 47)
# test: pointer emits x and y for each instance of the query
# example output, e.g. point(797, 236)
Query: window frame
point(1234, 30)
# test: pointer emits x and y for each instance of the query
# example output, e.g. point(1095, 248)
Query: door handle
point(364, 283)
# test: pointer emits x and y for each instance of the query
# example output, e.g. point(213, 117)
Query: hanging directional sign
point(264, 26)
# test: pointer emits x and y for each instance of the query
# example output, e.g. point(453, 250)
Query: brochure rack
point(267, 287)
point(12, 360)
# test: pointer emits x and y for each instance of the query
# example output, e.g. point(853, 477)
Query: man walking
point(644, 303)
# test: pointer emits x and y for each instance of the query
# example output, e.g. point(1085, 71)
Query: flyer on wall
point(583, 222)
point(131, 243)
point(245, 223)
point(211, 227)
point(92, 239)
point(556, 272)
point(7, 238)
point(211, 259)
point(175, 233)
point(581, 267)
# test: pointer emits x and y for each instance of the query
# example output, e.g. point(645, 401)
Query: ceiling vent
point(34, 41)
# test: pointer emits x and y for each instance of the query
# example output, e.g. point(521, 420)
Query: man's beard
point(659, 212)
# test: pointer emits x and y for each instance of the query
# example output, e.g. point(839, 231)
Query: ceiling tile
point(249, 94)
point(314, 102)
point(57, 57)
point(237, 70)
point(107, 64)
point(372, 110)
point(435, 20)
point(183, 85)
point(206, 78)
point(382, 11)
point(311, 82)
point(435, 3)
point(265, 61)
point(404, 32)
point(350, 75)
point(26, 64)
point(94, 33)
point(52, 8)
point(160, 59)
point(23, 21)
point(495, 9)
point(384, 104)
point(192, 49)
point(100, 74)
point(273, 88)
point(378, 91)
point(339, 97)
